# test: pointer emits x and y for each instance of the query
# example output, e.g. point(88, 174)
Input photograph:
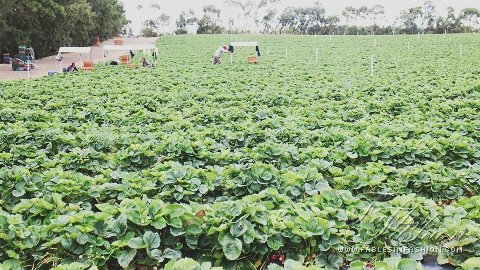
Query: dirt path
point(43, 65)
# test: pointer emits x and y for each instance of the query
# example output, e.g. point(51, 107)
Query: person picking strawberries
point(218, 54)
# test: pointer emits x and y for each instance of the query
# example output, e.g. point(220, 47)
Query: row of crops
point(285, 164)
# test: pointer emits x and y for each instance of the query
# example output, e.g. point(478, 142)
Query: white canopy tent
point(129, 48)
point(76, 50)
point(242, 44)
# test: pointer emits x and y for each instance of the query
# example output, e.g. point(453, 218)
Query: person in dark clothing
point(145, 62)
point(72, 67)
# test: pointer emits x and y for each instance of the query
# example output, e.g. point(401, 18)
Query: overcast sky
point(335, 7)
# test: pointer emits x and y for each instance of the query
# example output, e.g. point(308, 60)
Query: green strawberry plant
point(313, 165)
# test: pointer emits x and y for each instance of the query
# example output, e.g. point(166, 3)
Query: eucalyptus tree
point(407, 21)
point(317, 15)
point(287, 19)
point(429, 16)
point(470, 16)
point(150, 28)
point(362, 13)
point(186, 18)
point(302, 21)
point(349, 14)
point(210, 22)
point(376, 13)
point(452, 22)
point(268, 19)
point(248, 11)
point(163, 21)
point(108, 17)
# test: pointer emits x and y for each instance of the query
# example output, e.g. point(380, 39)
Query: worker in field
point(72, 67)
point(218, 54)
point(145, 63)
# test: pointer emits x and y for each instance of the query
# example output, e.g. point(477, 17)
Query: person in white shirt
point(218, 54)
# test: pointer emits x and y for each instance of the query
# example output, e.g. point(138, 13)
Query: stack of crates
point(24, 59)
point(19, 59)
point(17, 63)
point(21, 51)
point(6, 58)
point(125, 59)
point(30, 54)
point(29, 57)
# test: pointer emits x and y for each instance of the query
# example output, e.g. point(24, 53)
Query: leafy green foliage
point(318, 163)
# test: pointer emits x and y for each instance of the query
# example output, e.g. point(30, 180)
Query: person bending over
point(72, 67)
point(145, 62)
point(218, 54)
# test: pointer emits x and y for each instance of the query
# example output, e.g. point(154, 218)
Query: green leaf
point(67, 243)
point(192, 241)
point(341, 214)
point(14, 264)
point(160, 223)
point(248, 237)
point(175, 222)
point(194, 229)
point(120, 225)
point(296, 190)
point(352, 154)
point(330, 261)
point(357, 263)
point(57, 198)
point(472, 262)
point(407, 264)
point(275, 242)
point(107, 208)
point(82, 239)
point(157, 255)
point(115, 175)
point(172, 254)
point(125, 257)
point(335, 171)
point(12, 254)
point(170, 265)
point(18, 193)
point(100, 227)
point(152, 240)
point(275, 267)
point(237, 229)
point(206, 266)
point(177, 231)
point(137, 243)
point(203, 189)
point(232, 249)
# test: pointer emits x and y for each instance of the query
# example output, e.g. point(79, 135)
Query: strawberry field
point(291, 163)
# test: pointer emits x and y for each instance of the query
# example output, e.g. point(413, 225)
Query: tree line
point(47, 25)
point(264, 15)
